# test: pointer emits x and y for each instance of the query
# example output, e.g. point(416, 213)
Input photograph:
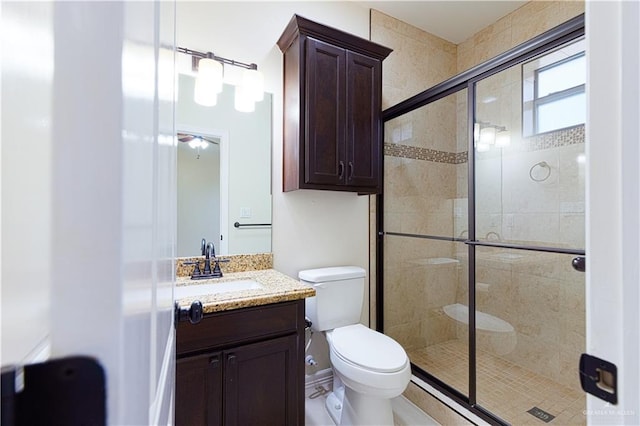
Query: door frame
point(612, 207)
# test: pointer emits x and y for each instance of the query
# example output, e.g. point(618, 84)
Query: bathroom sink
point(215, 288)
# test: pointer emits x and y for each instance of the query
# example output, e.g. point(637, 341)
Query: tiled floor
point(504, 389)
point(404, 412)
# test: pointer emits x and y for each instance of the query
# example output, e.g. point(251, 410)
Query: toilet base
point(347, 407)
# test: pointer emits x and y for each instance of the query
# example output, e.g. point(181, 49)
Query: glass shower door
point(425, 221)
point(529, 216)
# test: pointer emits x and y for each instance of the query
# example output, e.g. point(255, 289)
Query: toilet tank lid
point(334, 273)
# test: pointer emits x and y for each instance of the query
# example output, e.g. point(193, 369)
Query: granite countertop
point(276, 287)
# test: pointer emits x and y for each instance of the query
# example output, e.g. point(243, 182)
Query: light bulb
point(208, 82)
point(253, 81)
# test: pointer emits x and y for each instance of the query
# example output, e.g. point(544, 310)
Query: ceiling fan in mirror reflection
point(196, 142)
point(210, 76)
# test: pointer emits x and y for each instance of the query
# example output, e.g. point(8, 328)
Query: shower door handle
point(579, 263)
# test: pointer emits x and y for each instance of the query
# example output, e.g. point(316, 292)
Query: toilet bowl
point(369, 368)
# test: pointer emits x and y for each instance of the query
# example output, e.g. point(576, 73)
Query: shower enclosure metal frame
point(549, 40)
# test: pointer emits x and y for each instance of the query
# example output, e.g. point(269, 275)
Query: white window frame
point(530, 115)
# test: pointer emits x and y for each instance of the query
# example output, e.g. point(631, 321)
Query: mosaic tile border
point(564, 137)
point(425, 154)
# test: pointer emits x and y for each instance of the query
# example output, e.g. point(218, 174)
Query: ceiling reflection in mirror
point(224, 174)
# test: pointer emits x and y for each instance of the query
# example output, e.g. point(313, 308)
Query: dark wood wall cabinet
point(242, 367)
point(332, 104)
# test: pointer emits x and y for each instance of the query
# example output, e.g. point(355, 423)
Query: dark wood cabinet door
point(324, 147)
point(363, 128)
point(261, 384)
point(198, 397)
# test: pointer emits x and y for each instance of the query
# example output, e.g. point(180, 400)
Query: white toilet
point(369, 368)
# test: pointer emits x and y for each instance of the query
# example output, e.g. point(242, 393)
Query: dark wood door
point(363, 128)
point(325, 124)
point(261, 384)
point(199, 390)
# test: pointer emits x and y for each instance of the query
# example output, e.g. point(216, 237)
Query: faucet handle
point(196, 270)
point(203, 246)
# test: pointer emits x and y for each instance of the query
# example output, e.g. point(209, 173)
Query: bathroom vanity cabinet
point(332, 104)
point(242, 367)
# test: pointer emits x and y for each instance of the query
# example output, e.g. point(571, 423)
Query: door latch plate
point(599, 378)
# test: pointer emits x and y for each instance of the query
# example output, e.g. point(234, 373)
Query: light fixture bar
point(196, 55)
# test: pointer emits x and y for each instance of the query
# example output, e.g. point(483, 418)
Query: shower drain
point(541, 414)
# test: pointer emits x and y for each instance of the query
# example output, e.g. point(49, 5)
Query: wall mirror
point(224, 174)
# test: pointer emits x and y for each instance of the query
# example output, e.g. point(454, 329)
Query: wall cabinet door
point(332, 102)
point(364, 153)
point(342, 114)
point(325, 144)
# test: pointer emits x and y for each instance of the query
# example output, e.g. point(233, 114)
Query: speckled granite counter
point(276, 287)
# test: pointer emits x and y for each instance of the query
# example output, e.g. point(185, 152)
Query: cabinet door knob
point(340, 169)
point(350, 170)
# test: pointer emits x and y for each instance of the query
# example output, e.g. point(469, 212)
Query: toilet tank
point(339, 295)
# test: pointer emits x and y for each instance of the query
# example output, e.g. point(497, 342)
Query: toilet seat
point(368, 349)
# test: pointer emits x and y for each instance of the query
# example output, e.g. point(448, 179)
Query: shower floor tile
point(505, 389)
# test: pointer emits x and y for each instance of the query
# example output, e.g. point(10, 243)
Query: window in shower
point(553, 90)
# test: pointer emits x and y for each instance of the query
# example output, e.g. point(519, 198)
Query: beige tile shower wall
point(419, 194)
point(417, 286)
point(419, 60)
point(515, 28)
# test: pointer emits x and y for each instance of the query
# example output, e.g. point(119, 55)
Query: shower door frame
point(549, 40)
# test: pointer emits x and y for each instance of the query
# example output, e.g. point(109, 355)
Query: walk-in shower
point(481, 217)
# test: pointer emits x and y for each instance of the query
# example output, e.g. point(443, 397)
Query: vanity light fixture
point(209, 80)
point(486, 134)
